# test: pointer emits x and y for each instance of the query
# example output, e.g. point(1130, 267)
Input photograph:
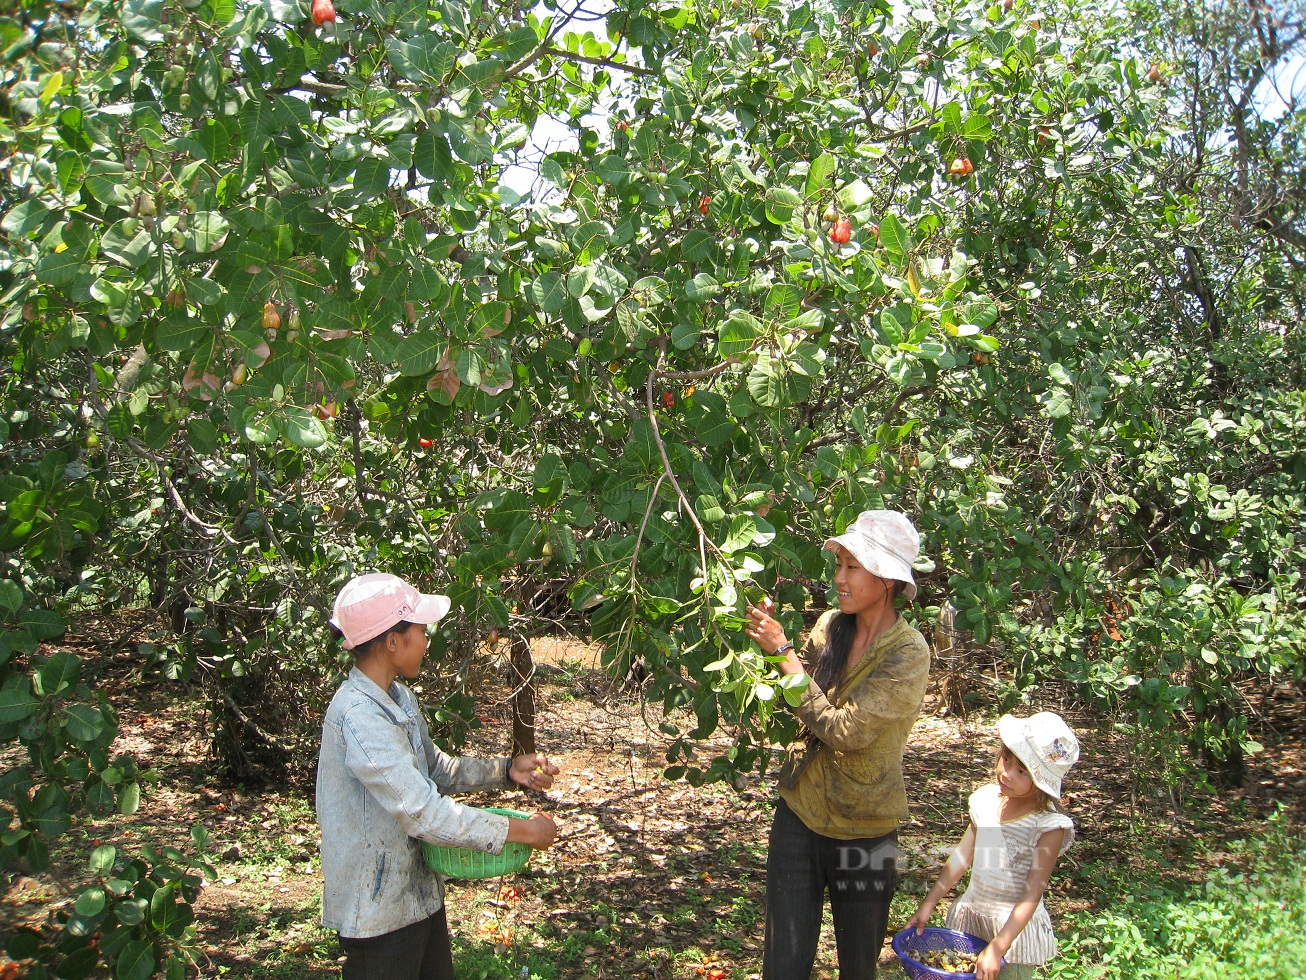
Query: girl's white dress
point(1004, 852)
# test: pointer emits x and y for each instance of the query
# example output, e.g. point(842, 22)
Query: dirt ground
point(648, 877)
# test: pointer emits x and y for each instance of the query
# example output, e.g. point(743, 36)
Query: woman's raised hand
point(762, 628)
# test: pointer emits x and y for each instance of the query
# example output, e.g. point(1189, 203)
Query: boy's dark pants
point(861, 876)
point(416, 952)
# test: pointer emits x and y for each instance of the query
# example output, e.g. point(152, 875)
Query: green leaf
point(702, 288)
point(980, 311)
point(684, 336)
point(784, 301)
point(129, 798)
point(52, 822)
point(503, 510)
point(433, 156)
point(31, 216)
point(740, 536)
point(78, 964)
point(550, 477)
point(58, 268)
point(977, 127)
point(371, 178)
point(698, 245)
point(59, 672)
point(419, 354)
point(144, 19)
point(179, 333)
point(260, 430)
point(767, 388)
point(780, 203)
point(818, 175)
point(891, 328)
point(299, 428)
point(894, 237)
point(708, 417)
point(854, 195)
point(427, 59)
point(102, 858)
point(137, 961)
point(131, 912)
point(651, 290)
point(709, 509)
point(126, 244)
point(1057, 403)
point(164, 909)
point(549, 292)
point(793, 686)
point(11, 596)
point(23, 943)
point(737, 334)
point(471, 365)
point(17, 702)
point(84, 722)
point(591, 234)
point(90, 902)
point(951, 117)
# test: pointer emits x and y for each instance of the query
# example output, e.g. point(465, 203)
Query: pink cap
point(369, 605)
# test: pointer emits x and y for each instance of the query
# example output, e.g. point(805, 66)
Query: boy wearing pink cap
point(382, 790)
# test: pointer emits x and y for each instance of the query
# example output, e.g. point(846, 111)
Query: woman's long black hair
point(839, 644)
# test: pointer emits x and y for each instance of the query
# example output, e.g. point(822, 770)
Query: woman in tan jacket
point(841, 788)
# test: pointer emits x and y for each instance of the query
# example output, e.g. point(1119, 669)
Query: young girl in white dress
point(1015, 836)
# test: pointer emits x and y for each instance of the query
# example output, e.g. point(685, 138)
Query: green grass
point(278, 833)
point(1244, 920)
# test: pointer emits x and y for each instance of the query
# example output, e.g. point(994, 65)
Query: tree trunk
point(521, 674)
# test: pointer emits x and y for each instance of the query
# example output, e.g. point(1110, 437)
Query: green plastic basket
point(465, 862)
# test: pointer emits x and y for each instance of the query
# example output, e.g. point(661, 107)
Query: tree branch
point(600, 62)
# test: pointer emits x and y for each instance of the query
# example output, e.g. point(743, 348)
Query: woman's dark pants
point(801, 866)
point(416, 952)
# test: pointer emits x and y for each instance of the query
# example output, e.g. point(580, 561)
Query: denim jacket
point(381, 788)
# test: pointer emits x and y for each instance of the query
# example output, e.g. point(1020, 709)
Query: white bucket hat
point(1045, 746)
point(368, 605)
point(884, 543)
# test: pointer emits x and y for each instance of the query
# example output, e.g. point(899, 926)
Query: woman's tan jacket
point(843, 775)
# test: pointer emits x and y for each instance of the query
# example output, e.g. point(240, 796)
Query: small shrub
point(1247, 919)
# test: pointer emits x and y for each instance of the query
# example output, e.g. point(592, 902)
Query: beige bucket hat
point(1045, 746)
point(884, 543)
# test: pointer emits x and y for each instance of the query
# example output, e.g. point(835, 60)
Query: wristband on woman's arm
point(782, 649)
